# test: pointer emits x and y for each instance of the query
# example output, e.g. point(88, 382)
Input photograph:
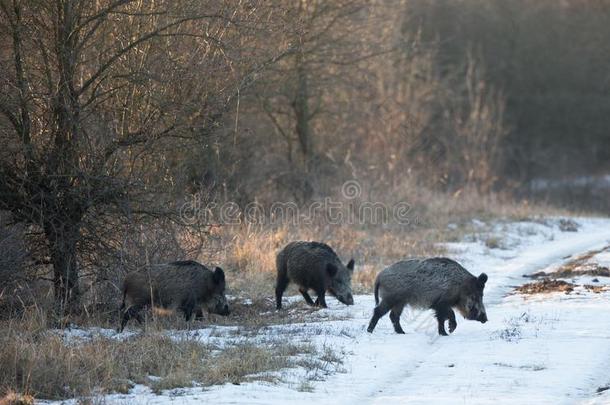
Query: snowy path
point(560, 355)
point(547, 348)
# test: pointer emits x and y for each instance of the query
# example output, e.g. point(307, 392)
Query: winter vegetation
point(165, 155)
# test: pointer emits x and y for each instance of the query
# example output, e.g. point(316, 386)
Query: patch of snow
point(602, 259)
point(598, 182)
point(548, 348)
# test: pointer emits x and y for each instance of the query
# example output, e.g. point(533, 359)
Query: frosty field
point(547, 347)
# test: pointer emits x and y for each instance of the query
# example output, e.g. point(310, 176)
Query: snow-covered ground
point(545, 348)
point(597, 182)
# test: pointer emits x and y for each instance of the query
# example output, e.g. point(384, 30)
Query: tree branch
point(99, 16)
point(11, 117)
point(24, 120)
point(132, 45)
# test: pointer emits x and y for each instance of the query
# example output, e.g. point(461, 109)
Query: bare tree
point(329, 44)
point(97, 99)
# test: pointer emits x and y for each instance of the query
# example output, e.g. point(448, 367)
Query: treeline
point(550, 60)
point(113, 113)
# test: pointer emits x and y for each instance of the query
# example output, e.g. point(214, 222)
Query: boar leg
point(188, 307)
point(280, 287)
point(452, 321)
point(131, 312)
point(395, 318)
point(188, 313)
point(139, 318)
point(442, 314)
point(321, 300)
point(124, 319)
point(305, 294)
point(380, 310)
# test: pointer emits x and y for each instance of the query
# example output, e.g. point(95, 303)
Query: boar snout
point(347, 299)
point(475, 315)
point(222, 310)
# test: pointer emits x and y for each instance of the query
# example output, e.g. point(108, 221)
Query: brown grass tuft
point(546, 286)
point(13, 398)
point(45, 366)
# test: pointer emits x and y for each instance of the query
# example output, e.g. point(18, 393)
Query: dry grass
point(250, 361)
point(41, 364)
point(581, 265)
point(597, 289)
point(494, 242)
point(13, 398)
point(546, 286)
point(251, 256)
point(250, 250)
point(550, 285)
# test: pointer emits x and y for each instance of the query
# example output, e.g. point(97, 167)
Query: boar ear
point(331, 269)
point(482, 279)
point(219, 275)
point(350, 265)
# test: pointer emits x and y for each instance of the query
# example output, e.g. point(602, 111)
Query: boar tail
point(377, 292)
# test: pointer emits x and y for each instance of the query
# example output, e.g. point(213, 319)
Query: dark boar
point(313, 266)
point(437, 283)
point(183, 285)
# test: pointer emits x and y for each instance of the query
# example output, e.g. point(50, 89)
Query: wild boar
point(183, 285)
point(436, 283)
point(313, 266)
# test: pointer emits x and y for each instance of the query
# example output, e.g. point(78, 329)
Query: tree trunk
point(63, 238)
point(302, 115)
